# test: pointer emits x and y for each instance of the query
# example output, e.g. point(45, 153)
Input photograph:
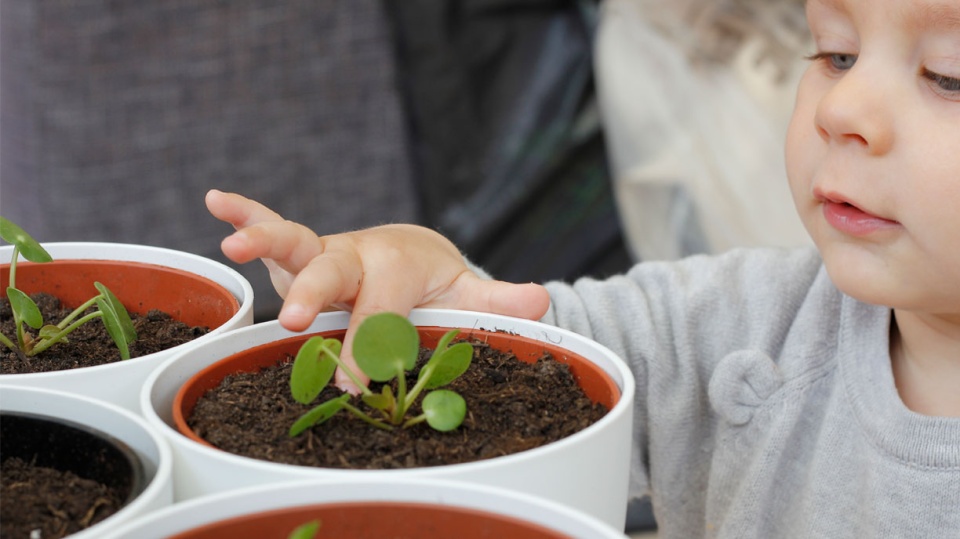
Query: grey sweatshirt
point(765, 402)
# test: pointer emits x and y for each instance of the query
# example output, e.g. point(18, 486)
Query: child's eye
point(945, 83)
point(837, 61)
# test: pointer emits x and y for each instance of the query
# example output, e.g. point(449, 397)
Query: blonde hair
point(713, 31)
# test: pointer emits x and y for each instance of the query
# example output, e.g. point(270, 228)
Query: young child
point(781, 393)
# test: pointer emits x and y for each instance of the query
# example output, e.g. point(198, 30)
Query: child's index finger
point(238, 210)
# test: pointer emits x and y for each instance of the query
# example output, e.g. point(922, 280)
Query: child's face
point(873, 149)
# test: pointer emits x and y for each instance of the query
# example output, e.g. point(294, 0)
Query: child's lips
point(850, 219)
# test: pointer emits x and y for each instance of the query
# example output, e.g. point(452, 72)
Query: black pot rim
point(120, 449)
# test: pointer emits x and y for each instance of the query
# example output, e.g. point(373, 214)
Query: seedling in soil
point(25, 311)
point(305, 531)
point(385, 347)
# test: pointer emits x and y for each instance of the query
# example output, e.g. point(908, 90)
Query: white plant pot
point(588, 470)
point(120, 382)
point(153, 450)
point(557, 519)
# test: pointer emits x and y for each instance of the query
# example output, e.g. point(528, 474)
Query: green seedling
point(385, 347)
point(305, 531)
point(25, 312)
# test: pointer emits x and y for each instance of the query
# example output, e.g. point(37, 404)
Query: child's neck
point(925, 355)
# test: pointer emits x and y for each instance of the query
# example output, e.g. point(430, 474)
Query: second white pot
point(588, 470)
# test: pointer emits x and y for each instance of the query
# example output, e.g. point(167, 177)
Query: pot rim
point(593, 378)
point(151, 447)
point(611, 364)
point(138, 473)
point(220, 274)
point(419, 490)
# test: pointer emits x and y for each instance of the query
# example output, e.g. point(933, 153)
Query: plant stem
point(48, 342)
point(359, 413)
point(18, 323)
point(418, 387)
point(356, 380)
point(13, 267)
point(401, 408)
point(76, 312)
point(7, 342)
point(12, 283)
point(414, 420)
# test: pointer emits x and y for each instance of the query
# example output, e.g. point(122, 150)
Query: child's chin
point(854, 274)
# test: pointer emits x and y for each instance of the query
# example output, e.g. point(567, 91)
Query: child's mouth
point(851, 220)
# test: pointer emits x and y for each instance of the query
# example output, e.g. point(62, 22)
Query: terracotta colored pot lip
point(220, 289)
point(373, 511)
point(197, 512)
point(209, 373)
point(233, 293)
point(105, 251)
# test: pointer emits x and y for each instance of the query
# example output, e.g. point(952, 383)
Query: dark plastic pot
point(65, 446)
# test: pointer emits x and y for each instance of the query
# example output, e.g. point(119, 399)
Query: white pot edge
point(184, 516)
point(117, 422)
point(90, 380)
point(615, 427)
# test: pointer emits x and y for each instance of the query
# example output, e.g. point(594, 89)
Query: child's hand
point(386, 268)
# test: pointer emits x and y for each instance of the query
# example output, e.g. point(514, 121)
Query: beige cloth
point(696, 148)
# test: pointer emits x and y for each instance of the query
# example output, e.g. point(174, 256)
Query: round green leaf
point(449, 364)
point(444, 409)
point(25, 308)
point(384, 345)
point(313, 368)
point(28, 247)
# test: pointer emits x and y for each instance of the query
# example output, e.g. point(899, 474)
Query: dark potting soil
point(512, 406)
point(90, 344)
point(55, 502)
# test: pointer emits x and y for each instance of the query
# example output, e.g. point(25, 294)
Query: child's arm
point(386, 268)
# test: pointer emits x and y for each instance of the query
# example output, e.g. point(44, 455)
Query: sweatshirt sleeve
point(672, 322)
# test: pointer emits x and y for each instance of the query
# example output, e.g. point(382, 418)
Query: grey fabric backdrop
point(117, 115)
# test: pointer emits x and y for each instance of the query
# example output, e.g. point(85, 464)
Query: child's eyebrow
point(935, 15)
point(923, 13)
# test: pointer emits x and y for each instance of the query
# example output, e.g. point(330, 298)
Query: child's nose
point(856, 110)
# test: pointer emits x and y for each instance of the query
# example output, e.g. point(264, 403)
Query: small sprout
point(305, 531)
point(385, 347)
point(25, 312)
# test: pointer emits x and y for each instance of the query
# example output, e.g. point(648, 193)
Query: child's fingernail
point(345, 384)
point(231, 242)
point(293, 309)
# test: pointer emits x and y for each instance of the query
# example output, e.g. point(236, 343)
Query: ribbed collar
point(867, 375)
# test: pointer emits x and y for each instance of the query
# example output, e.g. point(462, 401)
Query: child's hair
point(714, 31)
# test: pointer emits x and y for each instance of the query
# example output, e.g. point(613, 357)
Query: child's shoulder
point(761, 259)
point(742, 270)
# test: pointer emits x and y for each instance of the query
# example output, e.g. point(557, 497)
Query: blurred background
point(478, 118)
point(549, 139)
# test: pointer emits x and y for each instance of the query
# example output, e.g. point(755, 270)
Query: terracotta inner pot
point(374, 519)
point(187, 297)
point(596, 384)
